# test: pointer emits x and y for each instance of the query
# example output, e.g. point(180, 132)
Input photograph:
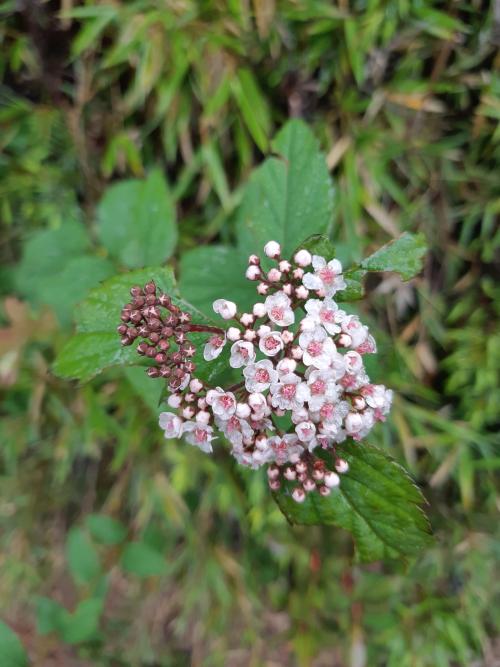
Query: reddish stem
point(206, 328)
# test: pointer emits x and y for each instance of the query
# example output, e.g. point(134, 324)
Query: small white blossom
point(318, 348)
point(305, 431)
point(327, 277)
point(242, 353)
point(286, 366)
point(278, 309)
point(226, 309)
point(199, 435)
point(223, 403)
point(272, 249)
point(214, 347)
point(303, 258)
point(322, 388)
point(171, 424)
point(271, 343)
point(286, 448)
point(323, 312)
point(289, 393)
point(258, 376)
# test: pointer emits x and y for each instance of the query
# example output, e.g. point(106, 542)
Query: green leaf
point(83, 560)
point(355, 289)
point(376, 501)
point(50, 616)
point(83, 624)
point(214, 272)
point(318, 244)
point(87, 354)
point(106, 530)
point(142, 560)
point(12, 653)
point(136, 221)
point(289, 197)
point(404, 255)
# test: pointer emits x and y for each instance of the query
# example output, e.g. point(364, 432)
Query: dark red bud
point(160, 358)
point(172, 321)
point(136, 291)
point(179, 373)
point(126, 341)
point(165, 372)
point(151, 351)
point(150, 288)
point(190, 366)
point(166, 332)
point(180, 337)
point(175, 383)
point(154, 337)
point(184, 317)
point(164, 300)
point(150, 300)
point(125, 316)
point(143, 331)
point(132, 333)
point(163, 345)
point(153, 372)
point(136, 316)
point(122, 329)
point(154, 324)
point(139, 302)
point(177, 357)
point(142, 348)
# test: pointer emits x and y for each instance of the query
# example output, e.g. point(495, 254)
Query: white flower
point(377, 396)
point(353, 423)
point(353, 362)
point(318, 348)
point(286, 366)
point(322, 388)
point(272, 249)
point(259, 376)
point(278, 309)
point(223, 403)
point(271, 343)
point(226, 309)
point(357, 331)
point(369, 346)
point(171, 424)
point(323, 312)
point(305, 431)
point(214, 347)
point(242, 353)
point(285, 448)
point(199, 435)
point(235, 429)
point(258, 403)
point(289, 393)
point(327, 277)
point(337, 365)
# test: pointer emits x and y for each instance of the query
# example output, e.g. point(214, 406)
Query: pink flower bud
point(253, 272)
point(298, 273)
point(233, 334)
point(254, 259)
point(303, 258)
point(243, 410)
point(196, 385)
point(263, 329)
point(174, 400)
point(247, 319)
point(188, 412)
point(309, 485)
point(274, 276)
point(203, 417)
point(290, 474)
point(301, 292)
point(259, 310)
point(189, 398)
point(359, 402)
point(202, 403)
point(261, 442)
point(297, 352)
point(341, 466)
point(331, 479)
point(287, 336)
point(301, 467)
point(288, 289)
point(298, 495)
point(353, 422)
point(250, 335)
point(318, 474)
point(344, 340)
point(262, 288)
point(324, 491)
point(272, 249)
point(273, 472)
point(285, 266)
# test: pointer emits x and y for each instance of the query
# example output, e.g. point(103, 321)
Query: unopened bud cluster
point(300, 356)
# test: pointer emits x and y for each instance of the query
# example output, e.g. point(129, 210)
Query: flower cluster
point(303, 386)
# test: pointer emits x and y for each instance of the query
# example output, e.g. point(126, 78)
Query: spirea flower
point(299, 387)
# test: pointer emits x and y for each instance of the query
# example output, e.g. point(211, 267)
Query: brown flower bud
point(143, 331)
point(166, 332)
point(177, 357)
point(132, 333)
point(150, 300)
point(151, 351)
point(150, 288)
point(154, 324)
point(160, 358)
point(163, 345)
point(136, 291)
point(126, 341)
point(136, 316)
point(142, 348)
point(154, 337)
point(190, 366)
point(164, 300)
point(122, 329)
point(139, 302)
point(165, 372)
point(153, 372)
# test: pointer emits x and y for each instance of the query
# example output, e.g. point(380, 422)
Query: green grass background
point(202, 569)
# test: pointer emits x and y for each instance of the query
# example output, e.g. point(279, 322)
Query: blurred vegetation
point(119, 549)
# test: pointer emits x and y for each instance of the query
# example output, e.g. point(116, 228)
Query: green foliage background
point(118, 548)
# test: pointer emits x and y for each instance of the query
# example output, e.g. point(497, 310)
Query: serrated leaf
point(105, 529)
point(12, 653)
point(136, 221)
point(318, 244)
point(82, 557)
point(140, 559)
point(404, 255)
point(289, 197)
point(354, 287)
point(376, 501)
point(87, 354)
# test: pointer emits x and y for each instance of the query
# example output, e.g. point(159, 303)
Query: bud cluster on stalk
point(300, 356)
